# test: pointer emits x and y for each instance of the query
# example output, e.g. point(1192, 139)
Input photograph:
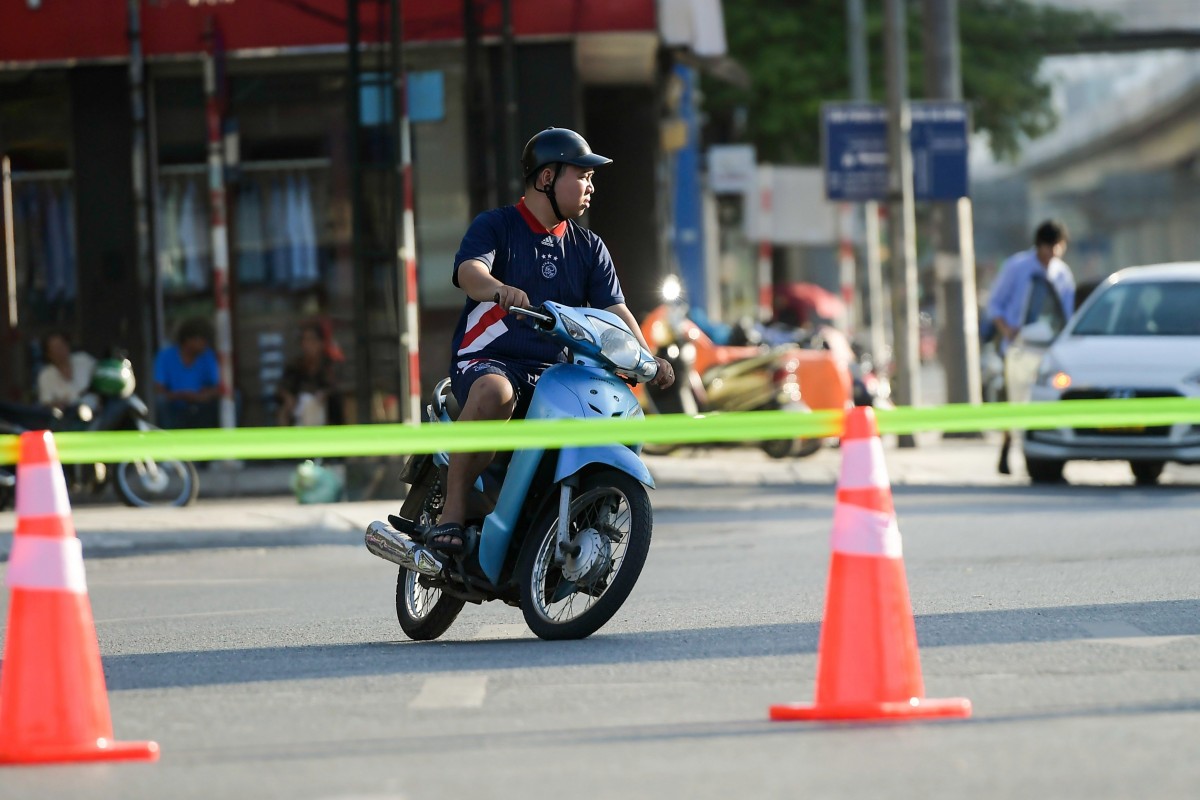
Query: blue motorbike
point(562, 534)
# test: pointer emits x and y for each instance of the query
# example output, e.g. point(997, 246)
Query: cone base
point(917, 708)
point(102, 750)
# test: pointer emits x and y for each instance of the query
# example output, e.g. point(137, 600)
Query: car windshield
point(1166, 308)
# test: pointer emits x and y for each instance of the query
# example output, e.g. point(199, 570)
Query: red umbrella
point(802, 302)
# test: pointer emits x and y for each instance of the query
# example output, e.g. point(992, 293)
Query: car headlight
point(1051, 374)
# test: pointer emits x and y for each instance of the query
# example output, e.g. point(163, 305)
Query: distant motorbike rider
point(517, 256)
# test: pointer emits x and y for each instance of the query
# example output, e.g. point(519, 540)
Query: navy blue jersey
point(569, 265)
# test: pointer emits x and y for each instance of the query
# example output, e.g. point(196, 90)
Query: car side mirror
point(1038, 333)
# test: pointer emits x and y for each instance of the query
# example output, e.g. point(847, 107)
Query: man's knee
point(492, 397)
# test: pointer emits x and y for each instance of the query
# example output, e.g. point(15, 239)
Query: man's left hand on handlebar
point(665, 376)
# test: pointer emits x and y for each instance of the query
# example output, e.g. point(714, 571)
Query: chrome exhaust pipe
point(391, 545)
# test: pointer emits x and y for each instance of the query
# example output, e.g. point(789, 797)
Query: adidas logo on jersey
point(549, 241)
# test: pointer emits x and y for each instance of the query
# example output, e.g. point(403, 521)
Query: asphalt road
point(1068, 615)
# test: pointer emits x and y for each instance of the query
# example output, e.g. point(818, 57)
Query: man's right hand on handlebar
point(508, 297)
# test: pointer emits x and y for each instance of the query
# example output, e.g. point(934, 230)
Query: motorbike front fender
point(573, 459)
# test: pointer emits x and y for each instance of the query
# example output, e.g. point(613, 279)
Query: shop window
point(287, 214)
point(38, 218)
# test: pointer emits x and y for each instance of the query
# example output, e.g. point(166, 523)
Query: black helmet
point(558, 146)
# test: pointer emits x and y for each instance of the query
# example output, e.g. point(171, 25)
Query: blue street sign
point(939, 150)
point(855, 153)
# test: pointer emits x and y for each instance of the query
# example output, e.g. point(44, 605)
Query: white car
point(1137, 335)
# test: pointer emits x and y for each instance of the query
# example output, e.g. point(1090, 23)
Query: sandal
point(449, 538)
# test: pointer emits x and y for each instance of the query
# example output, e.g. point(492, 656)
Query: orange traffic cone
point(867, 662)
point(53, 704)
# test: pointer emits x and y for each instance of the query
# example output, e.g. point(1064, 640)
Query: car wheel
point(1044, 470)
point(1145, 473)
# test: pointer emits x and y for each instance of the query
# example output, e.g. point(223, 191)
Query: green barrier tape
point(378, 440)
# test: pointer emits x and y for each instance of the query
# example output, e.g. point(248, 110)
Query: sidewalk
point(254, 507)
point(933, 460)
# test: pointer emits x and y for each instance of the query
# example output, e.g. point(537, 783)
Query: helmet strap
point(549, 192)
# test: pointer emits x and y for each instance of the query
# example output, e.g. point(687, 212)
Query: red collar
point(535, 225)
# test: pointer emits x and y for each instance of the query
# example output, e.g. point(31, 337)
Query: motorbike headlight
point(620, 348)
point(577, 331)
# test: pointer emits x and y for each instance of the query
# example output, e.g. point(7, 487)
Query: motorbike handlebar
point(544, 320)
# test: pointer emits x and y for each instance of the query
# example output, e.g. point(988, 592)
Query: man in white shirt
point(66, 376)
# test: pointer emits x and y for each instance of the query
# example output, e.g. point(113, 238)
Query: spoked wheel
point(157, 483)
point(424, 612)
point(610, 525)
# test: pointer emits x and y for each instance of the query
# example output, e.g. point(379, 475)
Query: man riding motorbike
point(517, 256)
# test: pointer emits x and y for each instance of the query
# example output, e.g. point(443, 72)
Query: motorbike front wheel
point(424, 612)
point(142, 484)
point(610, 525)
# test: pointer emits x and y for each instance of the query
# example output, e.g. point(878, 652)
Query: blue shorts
point(523, 378)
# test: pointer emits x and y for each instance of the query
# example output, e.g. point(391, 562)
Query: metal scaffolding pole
point(901, 213)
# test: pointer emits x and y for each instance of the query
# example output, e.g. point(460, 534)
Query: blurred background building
point(105, 125)
point(1122, 167)
point(312, 163)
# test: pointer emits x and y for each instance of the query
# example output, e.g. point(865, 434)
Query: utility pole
point(856, 42)
point(901, 214)
point(152, 324)
point(954, 259)
point(514, 184)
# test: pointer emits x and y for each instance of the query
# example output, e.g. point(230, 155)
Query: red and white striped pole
point(765, 289)
point(218, 229)
point(409, 340)
point(847, 268)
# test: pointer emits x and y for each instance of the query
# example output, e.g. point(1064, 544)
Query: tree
point(796, 56)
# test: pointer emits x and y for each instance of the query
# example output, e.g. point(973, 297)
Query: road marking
point(185, 581)
point(1125, 634)
point(503, 631)
point(193, 614)
point(451, 691)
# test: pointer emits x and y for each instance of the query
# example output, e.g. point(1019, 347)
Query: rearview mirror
point(1038, 333)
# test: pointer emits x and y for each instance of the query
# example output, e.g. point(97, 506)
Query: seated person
point(187, 379)
point(67, 375)
point(308, 393)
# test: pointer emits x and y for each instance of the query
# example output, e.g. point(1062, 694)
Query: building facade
point(108, 232)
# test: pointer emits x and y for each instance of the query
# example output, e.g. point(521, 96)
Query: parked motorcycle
point(111, 405)
point(8, 476)
point(562, 534)
point(869, 384)
point(711, 377)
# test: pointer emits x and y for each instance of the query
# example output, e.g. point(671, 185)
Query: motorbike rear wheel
point(424, 612)
point(157, 483)
point(610, 521)
point(779, 448)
